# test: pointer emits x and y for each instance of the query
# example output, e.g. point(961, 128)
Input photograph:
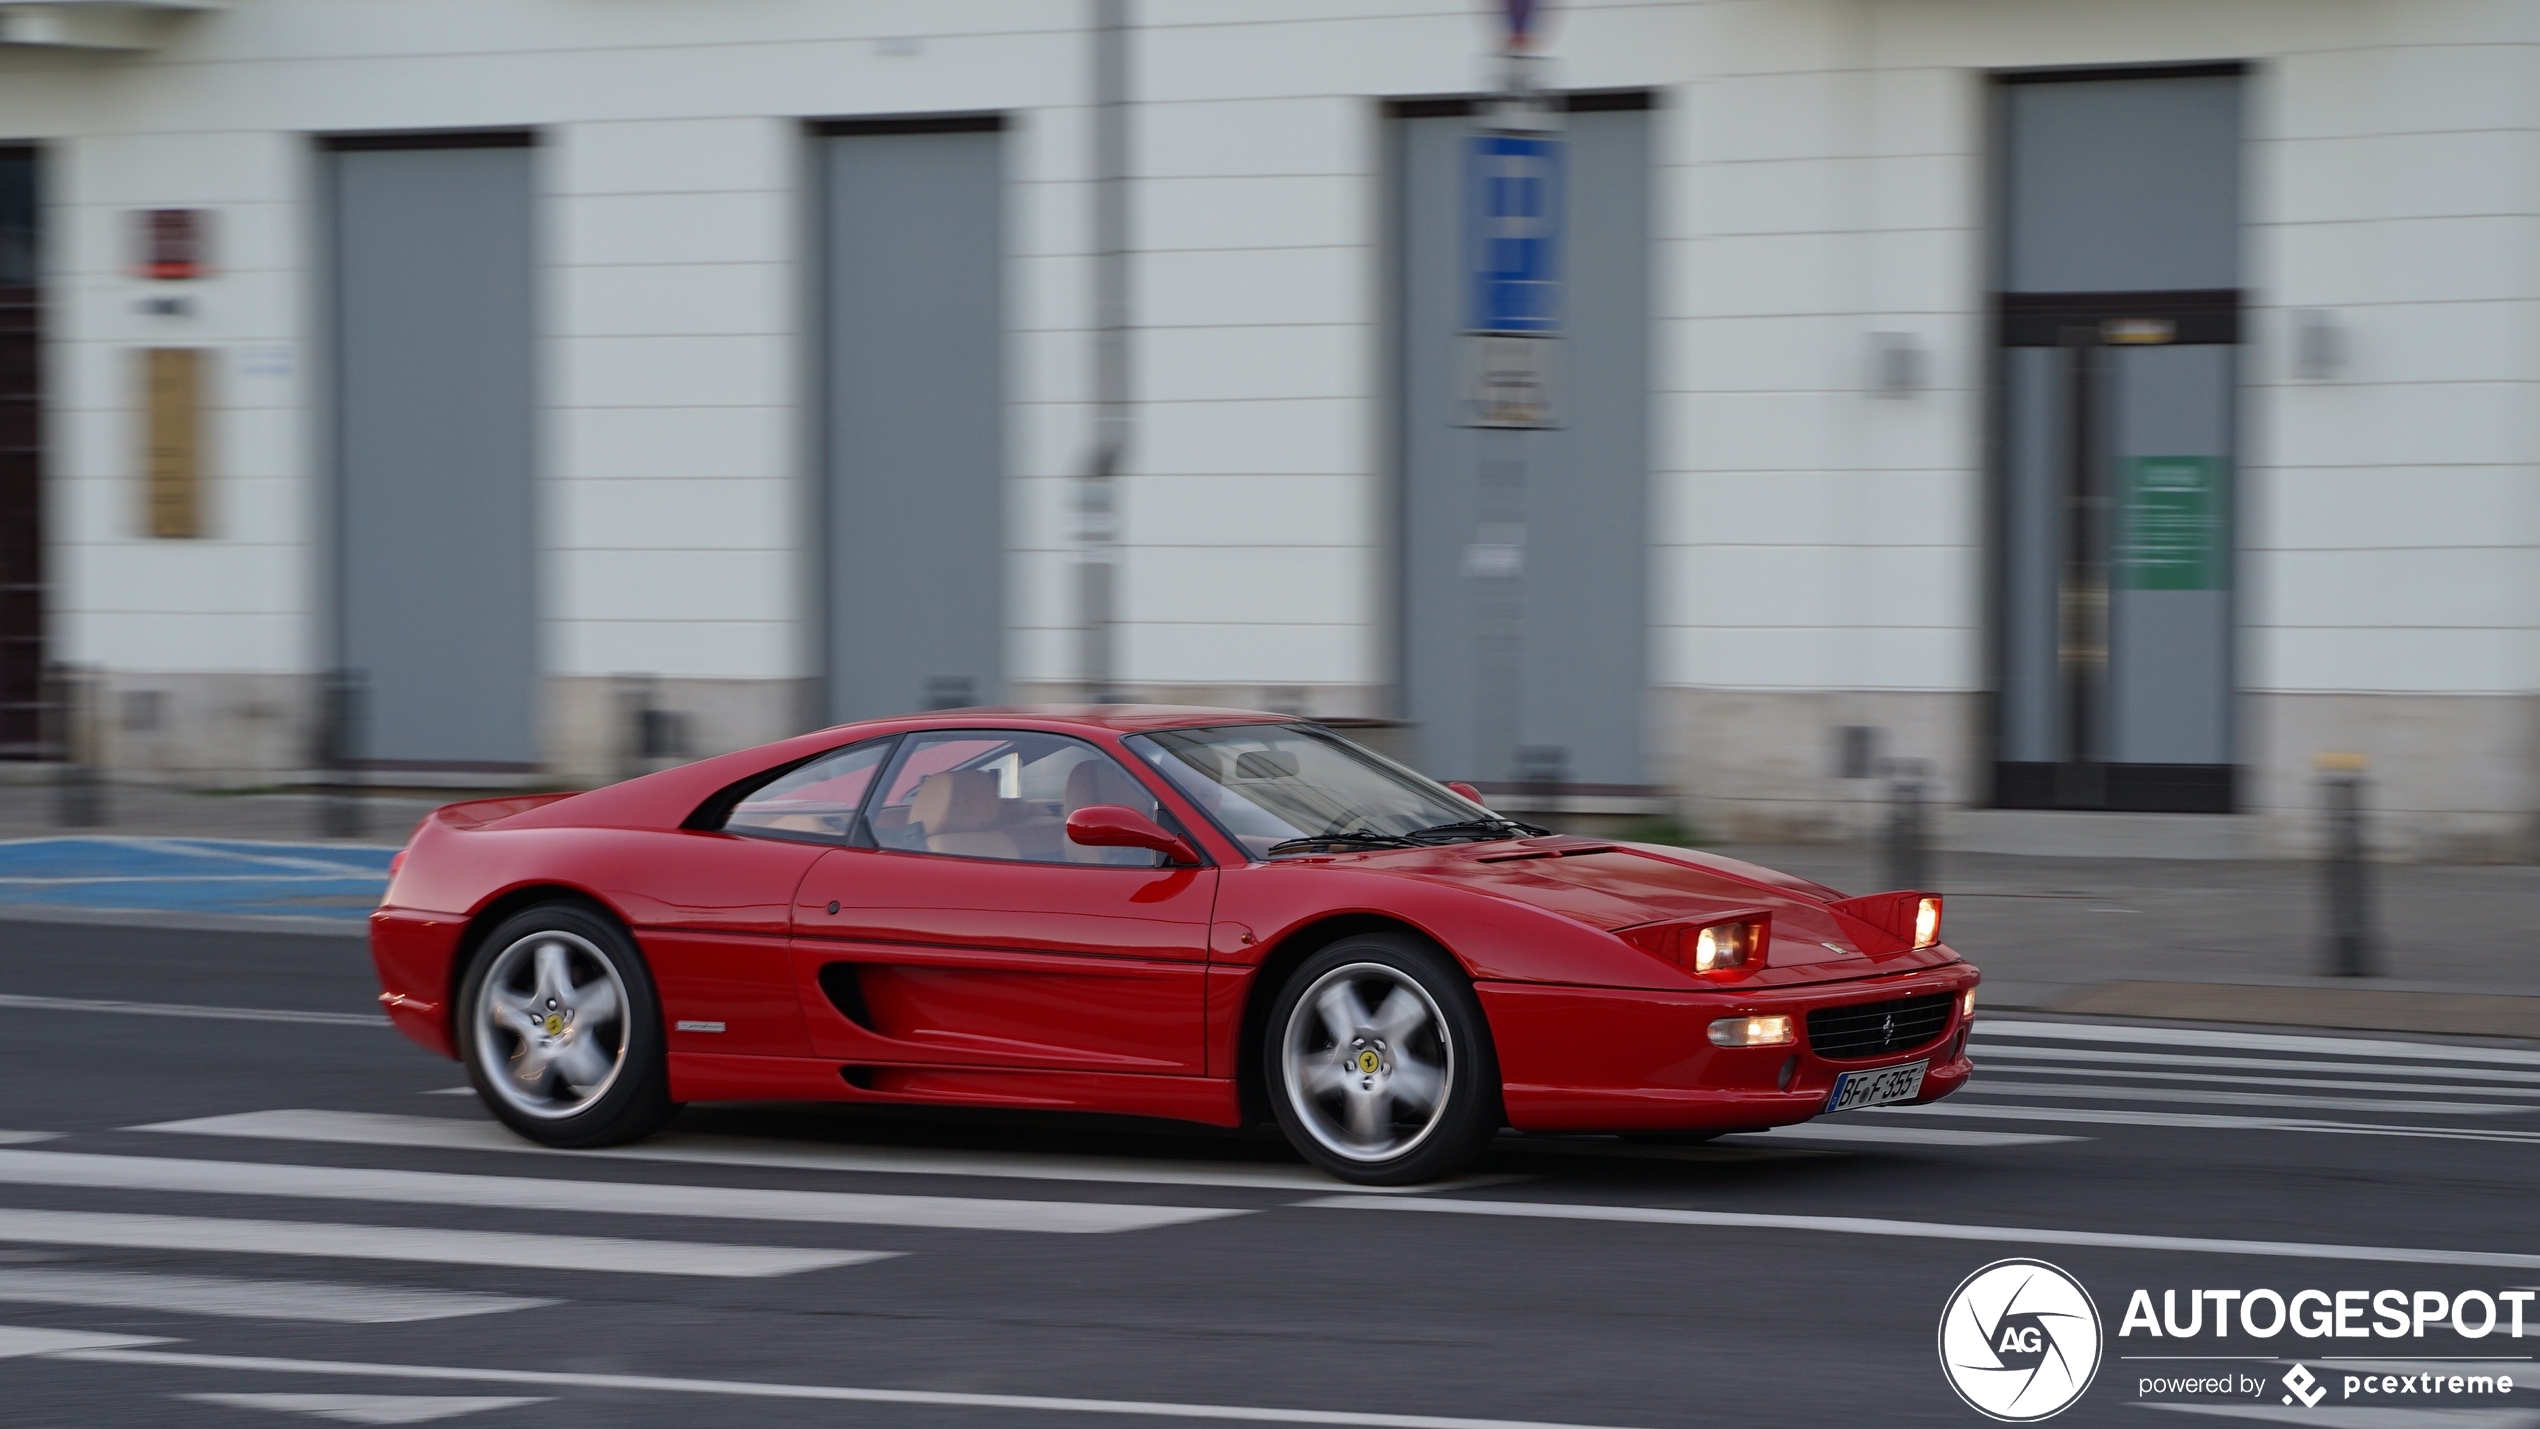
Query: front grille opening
point(1875, 1029)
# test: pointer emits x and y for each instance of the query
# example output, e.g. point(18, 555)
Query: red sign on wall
point(174, 243)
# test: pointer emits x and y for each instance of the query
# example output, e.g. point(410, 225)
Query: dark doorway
point(21, 460)
point(2118, 322)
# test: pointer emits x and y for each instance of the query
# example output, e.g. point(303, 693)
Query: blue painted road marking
point(195, 876)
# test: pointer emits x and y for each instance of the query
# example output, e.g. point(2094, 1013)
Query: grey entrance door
point(2119, 319)
point(433, 329)
point(1523, 627)
point(914, 329)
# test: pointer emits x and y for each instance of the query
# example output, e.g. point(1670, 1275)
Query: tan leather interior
point(962, 814)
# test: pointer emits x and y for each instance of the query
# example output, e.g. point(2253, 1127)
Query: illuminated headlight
point(1926, 922)
point(1723, 945)
point(1751, 1032)
point(1967, 1005)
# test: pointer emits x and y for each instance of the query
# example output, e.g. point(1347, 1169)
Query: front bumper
point(1602, 1059)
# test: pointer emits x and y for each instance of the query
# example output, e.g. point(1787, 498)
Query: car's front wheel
point(560, 1030)
point(1379, 1062)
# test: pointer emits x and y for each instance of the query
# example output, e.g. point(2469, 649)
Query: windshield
point(1293, 788)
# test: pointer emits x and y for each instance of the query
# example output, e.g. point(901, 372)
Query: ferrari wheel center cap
point(555, 1024)
point(1369, 1062)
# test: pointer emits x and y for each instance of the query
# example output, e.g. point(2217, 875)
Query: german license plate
point(1879, 1087)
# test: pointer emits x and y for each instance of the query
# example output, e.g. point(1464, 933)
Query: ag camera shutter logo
point(2019, 1341)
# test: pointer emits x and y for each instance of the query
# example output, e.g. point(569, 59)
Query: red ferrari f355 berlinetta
point(1220, 916)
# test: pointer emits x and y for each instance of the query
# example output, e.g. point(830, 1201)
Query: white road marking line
point(1921, 1230)
point(182, 1009)
point(624, 1198)
point(370, 1408)
point(19, 1341)
point(357, 1128)
point(449, 1092)
point(752, 1389)
point(2210, 1121)
point(2336, 1416)
point(251, 1299)
point(1894, 1135)
point(2284, 1064)
point(2252, 1041)
point(2188, 1094)
point(441, 1247)
point(19, 1138)
point(2449, 1089)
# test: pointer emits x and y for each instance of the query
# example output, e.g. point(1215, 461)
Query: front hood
point(1611, 886)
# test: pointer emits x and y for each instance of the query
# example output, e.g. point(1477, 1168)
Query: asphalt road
point(301, 1254)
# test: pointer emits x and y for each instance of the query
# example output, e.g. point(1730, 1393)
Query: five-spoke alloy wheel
point(1379, 1063)
point(560, 1030)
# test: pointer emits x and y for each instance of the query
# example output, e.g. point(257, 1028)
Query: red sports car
point(1212, 915)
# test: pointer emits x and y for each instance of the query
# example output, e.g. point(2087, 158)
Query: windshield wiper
point(1357, 838)
point(1493, 827)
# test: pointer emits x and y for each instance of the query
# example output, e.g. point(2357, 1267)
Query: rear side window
point(819, 802)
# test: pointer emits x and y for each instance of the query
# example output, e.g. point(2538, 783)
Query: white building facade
point(2115, 406)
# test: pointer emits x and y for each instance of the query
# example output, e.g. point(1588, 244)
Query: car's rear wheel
point(1379, 1063)
point(561, 1032)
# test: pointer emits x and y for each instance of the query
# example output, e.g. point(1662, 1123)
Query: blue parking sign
point(1512, 233)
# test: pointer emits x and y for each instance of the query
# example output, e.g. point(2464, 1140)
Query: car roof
point(1121, 719)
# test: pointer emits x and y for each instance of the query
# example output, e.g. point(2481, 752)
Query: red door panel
point(710, 912)
point(935, 960)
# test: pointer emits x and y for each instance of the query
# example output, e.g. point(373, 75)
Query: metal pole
point(2345, 873)
point(341, 812)
point(1908, 839)
point(79, 793)
point(1097, 492)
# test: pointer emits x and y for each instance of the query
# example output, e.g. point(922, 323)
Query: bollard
point(2345, 874)
point(342, 814)
point(1908, 842)
point(79, 786)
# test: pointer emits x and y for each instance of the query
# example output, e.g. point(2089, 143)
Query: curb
point(2462, 1014)
point(188, 922)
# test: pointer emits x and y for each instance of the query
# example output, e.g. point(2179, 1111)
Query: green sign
point(2173, 531)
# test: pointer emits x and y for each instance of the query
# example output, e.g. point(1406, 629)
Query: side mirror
point(1118, 826)
point(1467, 791)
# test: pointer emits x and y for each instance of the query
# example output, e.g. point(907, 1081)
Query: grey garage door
point(1524, 624)
point(433, 424)
point(914, 331)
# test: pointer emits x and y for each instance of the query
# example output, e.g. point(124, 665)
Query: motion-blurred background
point(2097, 411)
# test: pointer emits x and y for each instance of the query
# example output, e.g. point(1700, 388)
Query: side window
point(1003, 794)
point(815, 802)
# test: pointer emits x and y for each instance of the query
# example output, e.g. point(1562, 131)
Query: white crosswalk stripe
point(231, 1298)
point(584, 1197)
point(2046, 1072)
point(510, 1249)
point(449, 1133)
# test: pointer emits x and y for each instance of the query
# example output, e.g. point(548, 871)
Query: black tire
point(1391, 1146)
point(500, 1052)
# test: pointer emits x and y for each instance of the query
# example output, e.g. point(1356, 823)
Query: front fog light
point(1751, 1032)
point(1926, 922)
